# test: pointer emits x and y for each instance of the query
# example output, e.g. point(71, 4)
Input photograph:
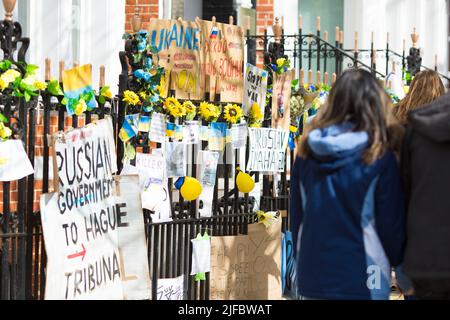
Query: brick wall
point(147, 9)
point(39, 152)
point(264, 16)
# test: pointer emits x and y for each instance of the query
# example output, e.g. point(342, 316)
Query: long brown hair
point(359, 98)
point(426, 87)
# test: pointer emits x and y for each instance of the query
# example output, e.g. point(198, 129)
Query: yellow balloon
point(191, 189)
point(244, 182)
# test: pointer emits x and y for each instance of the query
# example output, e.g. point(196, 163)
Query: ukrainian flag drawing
point(170, 129)
point(78, 82)
point(128, 130)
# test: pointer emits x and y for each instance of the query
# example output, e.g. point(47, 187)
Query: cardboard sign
point(255, 88)
point(178, 43)
point(170, 289)
point(267, 150)
point(14, 162)
point(81, 221)
point(247, 267)
point(223, 58)
point(281, 97)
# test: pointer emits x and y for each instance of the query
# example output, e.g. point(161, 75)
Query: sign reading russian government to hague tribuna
point(267, 150)
point(82, 220)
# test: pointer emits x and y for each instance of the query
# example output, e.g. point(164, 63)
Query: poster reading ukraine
point(179, 46)
point(92, 224)
point(223, 58)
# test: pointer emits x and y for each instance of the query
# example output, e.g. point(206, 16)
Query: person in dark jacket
point(426, 173)
point(347, 206)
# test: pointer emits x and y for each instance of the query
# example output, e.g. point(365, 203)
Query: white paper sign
point(267, 150)
point(255, 88)
point(239, 135)
point(80, 222)
point(151, 168)
point(132, 242)
point(170, 289)
point(191, 132)
point(176, 159)
point(158, 128)
point(14, 162)
point(201, 256)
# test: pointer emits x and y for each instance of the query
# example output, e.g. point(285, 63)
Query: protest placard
point(81, 220)
point(207, 161)
point(170, 289)
point(267, 150)
point(178, 44)
point(191, 132)
point(255, 88)
point(223, 58)
point(247, 267)
point(281, 97)
point(239, 135)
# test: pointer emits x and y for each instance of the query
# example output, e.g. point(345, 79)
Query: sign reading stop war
point(83, 218)
point(255, 88)
point(267, 150)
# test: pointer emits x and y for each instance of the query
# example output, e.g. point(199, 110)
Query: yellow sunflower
point(130, 97)
point(209, 111)
point(174, 107)
point(232, 113)
point(255, 112)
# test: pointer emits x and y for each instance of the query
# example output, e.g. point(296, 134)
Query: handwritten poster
point(14, 162)
point(267, 150)
point(178, 43)
point(281, 96)
point(223, 58)
point(158, 128)
point(81, 219)
point(247, 267)
point(170, 289)
point(255, 88)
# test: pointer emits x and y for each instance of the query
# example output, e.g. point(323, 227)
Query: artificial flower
point(141, 74)
point(174, 107)
point(107, 93)
point(232, 113)
point(80, 107)
point(143, 95)
point(130, 97)
point(255, 112)
point(3, 84)
point(189, 107)
point(281, 62)
point(209, 111)
point(5, 132)
point(255, 125)
point(10, 75)
point(39, 85)
point(266, 218)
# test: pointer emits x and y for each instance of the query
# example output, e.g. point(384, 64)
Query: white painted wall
point(399, 17)
point(85, 31)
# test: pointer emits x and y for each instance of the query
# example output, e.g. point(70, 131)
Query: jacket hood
point(337, 145)
point(433, 121)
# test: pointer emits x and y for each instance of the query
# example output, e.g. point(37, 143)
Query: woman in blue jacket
point(347, 205)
